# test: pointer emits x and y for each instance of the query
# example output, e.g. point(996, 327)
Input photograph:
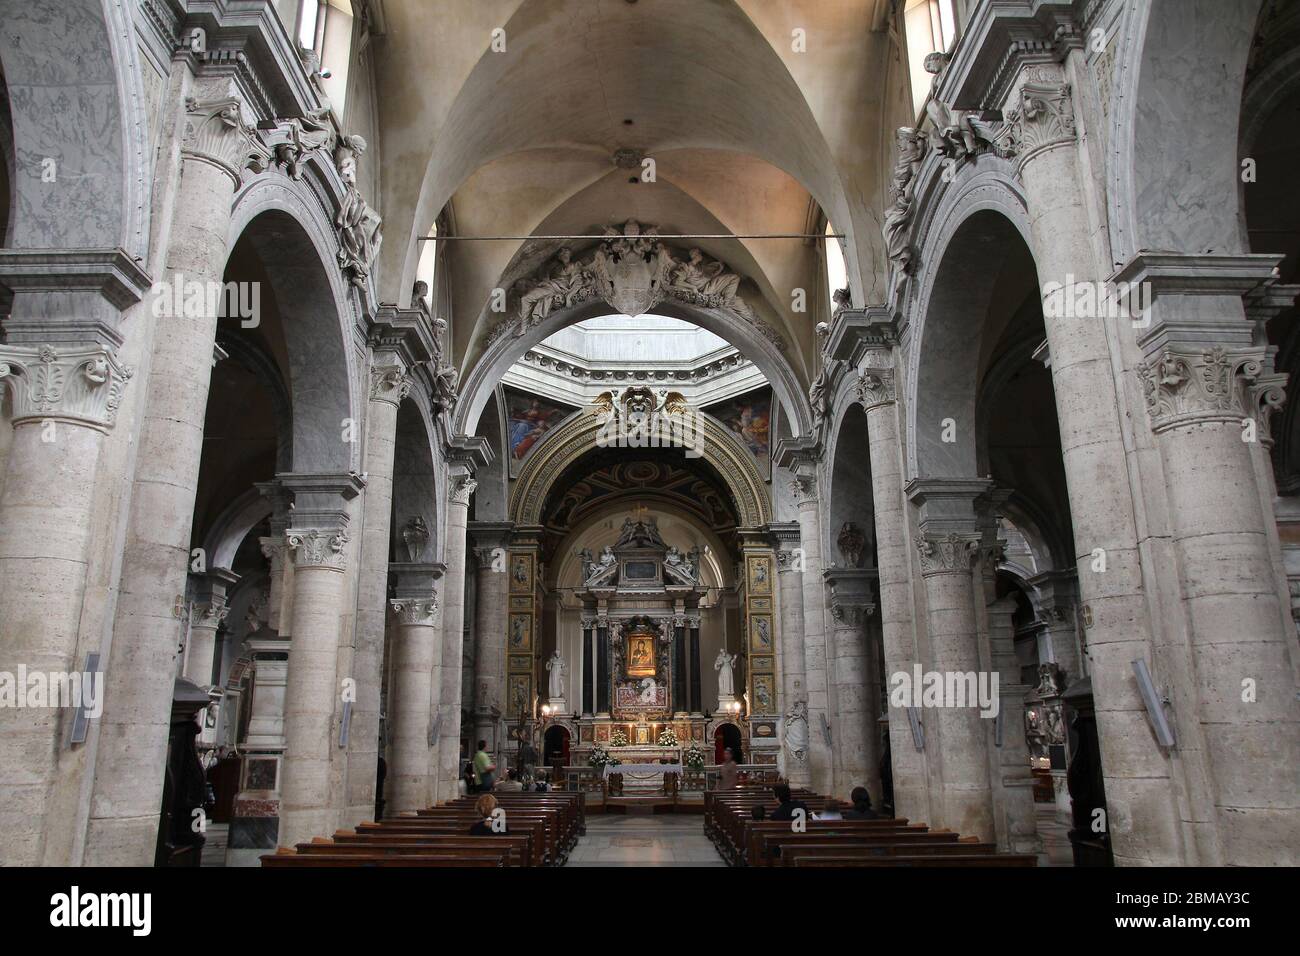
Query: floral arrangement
point(599, 757)
point(667, 738)
point(694, 757)
point(618, 738)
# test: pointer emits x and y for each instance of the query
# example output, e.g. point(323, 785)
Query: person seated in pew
point(511, 784)
point(485, 806)
point(862, 810)
point(758, 812)
point(788, 805)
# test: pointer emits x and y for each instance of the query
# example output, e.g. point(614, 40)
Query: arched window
point(325, 28)
point(930, 27)
point(837, 276)
point(426, 271)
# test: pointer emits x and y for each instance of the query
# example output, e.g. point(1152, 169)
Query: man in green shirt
point(484, 768)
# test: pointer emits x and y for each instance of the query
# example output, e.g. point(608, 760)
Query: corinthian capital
point(82, 385)
point(875, 387)
point(389, 383)
point(318, 548)
point(1043, 116)
point(948, 553)
point(209, 613)
point(413, 611)
point(215, 132)
point(804, 489)
point(461, 491)
point(1191, 386)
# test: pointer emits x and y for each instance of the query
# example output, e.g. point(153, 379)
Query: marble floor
point(662, 840)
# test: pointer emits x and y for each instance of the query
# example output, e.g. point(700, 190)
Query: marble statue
point(902, 191)
point(796, 730)
point(851, 542)
point(415, 534)
point(359, 225)
point(555, 667)
point(724, 665)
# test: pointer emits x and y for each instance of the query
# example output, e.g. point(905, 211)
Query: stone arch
point(1179, 59)
point(508, 349)
point(848, 492)
point(415, 482)
point(972, 234)
point(318, 312)
point(76, 97)
point(578, 435)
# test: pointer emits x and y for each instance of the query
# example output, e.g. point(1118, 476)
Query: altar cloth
point(641, 769)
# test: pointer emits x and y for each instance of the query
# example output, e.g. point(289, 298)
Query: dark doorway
point(727, 735)
point(555, 745)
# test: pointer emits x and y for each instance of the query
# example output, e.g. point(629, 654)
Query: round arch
point(577, 436)
point(507, 349)
point(76, 97)
point(974, 230)
point(1156, 153)
point(298, 249)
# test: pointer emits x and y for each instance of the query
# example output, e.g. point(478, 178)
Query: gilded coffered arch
point(583, 433)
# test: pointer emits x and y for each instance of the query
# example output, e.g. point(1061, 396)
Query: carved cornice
point(1000, 40)
point(79, 385)
point(413, 611)
point(875, 387)
point(389, 383)
point(216, 133)
point(946, 554)
point(318, 548)
point(1187, 387)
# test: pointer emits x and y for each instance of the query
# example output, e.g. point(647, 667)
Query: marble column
point(207, 614)
point(794, 695)
point(877, 395)
point(854, 738)
point(279, 609)
point(318, 543)
point(1055, 596)
point(453, 639)
point(491, 604)
point(416, 656)
point(1208, 390)
point(134, 730)
point(389, 384)
point(820, 762)
point(60, 366)
point(957, 737)
point(1016, 823)
point(1140, 790)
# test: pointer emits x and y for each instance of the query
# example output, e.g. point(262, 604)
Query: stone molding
point(1187, 387)
point(318, 548)
point(946, 554)
point(850, 616)
point(77, 385)
point(413, 611)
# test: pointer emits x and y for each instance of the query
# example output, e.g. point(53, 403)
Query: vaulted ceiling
point(755, 113)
